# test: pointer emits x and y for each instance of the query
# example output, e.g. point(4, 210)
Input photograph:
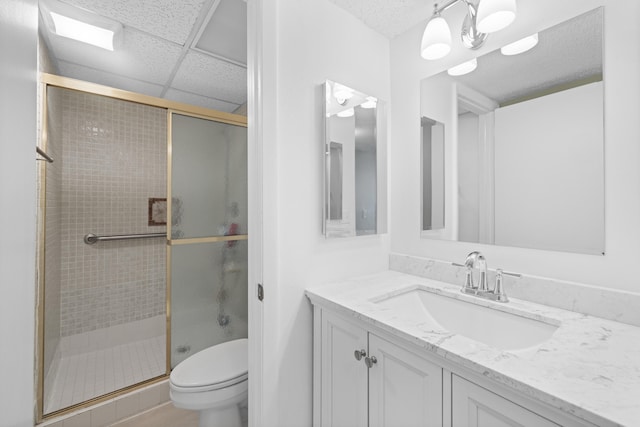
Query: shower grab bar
point(91, 238)
point(47, 157)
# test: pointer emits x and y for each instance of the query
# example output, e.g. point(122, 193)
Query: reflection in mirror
point(335, 180)
point(355, 165)
point(432, 174)
point(524, 147)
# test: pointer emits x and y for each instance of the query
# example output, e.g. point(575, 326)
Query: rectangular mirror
point(523, 145)
point(354, 147)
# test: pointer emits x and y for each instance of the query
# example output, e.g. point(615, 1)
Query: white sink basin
point(499, 329)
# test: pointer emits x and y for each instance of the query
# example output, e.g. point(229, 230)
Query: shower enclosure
point(142, 247)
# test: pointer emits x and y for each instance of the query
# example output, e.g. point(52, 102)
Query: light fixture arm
point(473, 9)
point(446, 6)
point(471, 37)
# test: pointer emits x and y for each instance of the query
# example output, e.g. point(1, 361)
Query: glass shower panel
point(104, 317)
point(209, 178)
point(208, 205)
point(208, 296)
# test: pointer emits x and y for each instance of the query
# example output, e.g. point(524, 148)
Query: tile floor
point(165, 415)
point(87, 375)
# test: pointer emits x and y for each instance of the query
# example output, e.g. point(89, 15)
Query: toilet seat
point(210, 387)
point(213, 368)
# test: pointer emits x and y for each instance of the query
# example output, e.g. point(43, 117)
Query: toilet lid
point(218, 364)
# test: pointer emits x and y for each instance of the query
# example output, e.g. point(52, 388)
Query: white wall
point(18, 50)
point(549, 191)
point(622, 151)
point(312, 41)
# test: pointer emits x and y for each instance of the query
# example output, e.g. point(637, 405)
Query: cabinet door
point(474, 406)
point(404, 389)
point(343, 377)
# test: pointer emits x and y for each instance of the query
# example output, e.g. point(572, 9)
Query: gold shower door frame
point(47, 80)
point(185, 241)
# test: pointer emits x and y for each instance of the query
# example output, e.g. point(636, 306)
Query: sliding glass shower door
point(208, 233)
point(142, 240)
point(104, 293)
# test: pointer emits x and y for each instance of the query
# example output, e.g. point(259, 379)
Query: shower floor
point(84, 376)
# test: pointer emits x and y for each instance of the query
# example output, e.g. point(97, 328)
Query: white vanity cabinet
point(365, 380)
point(365, 376)
point(475, 406)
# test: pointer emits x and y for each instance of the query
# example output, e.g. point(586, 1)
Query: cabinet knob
point(370, 361)
point(359, 354)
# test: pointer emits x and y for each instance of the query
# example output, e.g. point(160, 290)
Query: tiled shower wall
point(114, 156)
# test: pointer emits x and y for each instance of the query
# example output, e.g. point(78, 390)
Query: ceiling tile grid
point(169, 19)
point(212, 77)
point(80, 72)
point(203, 101)
point(155, 56)
point(140, 56)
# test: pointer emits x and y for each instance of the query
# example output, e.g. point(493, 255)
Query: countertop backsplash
point(605, 303)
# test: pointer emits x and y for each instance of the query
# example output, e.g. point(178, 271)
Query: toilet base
point(221, 417)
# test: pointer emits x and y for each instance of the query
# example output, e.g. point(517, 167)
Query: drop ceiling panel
point(169, 19)
point(202, 101)
point(225, 34)
point(140, 57)
point(211, 77)
point(79, 72)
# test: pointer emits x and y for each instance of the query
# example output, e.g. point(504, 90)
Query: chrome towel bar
point(91, 238)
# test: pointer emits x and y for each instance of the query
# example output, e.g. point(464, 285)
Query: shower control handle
point(359, 354)
point(370, 361)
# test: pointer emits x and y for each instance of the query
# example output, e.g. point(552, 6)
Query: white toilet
point(214, 382)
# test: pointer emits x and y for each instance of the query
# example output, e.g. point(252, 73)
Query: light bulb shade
point(436, 40)
point(371, 102)
point(494, 15)
point(464, 68)
point(342, 93)
point(346, 113)
point(520, 46)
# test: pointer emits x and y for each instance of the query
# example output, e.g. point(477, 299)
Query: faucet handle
point(468, 281)
point(483, 286)
point(481, 263)
point(498, 289)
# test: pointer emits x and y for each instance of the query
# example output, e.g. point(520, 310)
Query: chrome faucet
point(476, 260)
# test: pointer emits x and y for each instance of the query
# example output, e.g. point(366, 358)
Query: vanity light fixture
point(87, 33)
point(494, 15)
point(436, 40)
point(520, 46)
point(464, 68)
point(342, 93)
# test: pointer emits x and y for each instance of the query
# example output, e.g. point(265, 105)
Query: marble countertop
point(589, 368)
